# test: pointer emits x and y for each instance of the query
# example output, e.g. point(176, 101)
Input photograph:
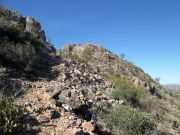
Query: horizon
point(147, 32)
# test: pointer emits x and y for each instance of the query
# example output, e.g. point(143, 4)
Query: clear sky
point(146, 31)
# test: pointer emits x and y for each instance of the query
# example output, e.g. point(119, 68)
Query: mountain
point(78, 90)
point(172, 86)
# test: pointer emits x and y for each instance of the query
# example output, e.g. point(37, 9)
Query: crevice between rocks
point(83, 112)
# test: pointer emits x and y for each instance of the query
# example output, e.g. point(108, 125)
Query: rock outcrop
point(26, 23)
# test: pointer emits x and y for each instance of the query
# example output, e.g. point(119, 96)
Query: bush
point(20, 54)
point(11, 117)
point(119, 82)
point(126, 121)
point(125, 89)
point(21, 47)
point(14, 33)
point(17, 34)
point(132, 95)
point(73, 57)
point(86, 55)
point(3, 11)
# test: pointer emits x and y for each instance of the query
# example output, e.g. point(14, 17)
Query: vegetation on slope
point(12, 117)
point(21, 47)
point(125, 89)
point(161, 111)
point(164, 111)
point(127, 121)
point(84, 57)
point(18, 46)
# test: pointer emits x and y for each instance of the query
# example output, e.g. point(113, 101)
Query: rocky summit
point(80, 90)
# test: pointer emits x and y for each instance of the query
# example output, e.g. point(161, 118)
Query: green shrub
point(14, 33)
point(31, 37)
point(11, 117)
point(21, 47)
point(3, 11)
point(86, 55)
point(119, 82)
point(132, 95)
point(73, 57)
point(17, 34)
point(64, 52)
point(20, 54)
point(126, 121)
point(125, 89)
point(67, 54)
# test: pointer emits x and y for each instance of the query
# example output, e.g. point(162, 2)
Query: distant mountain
point(172, 86)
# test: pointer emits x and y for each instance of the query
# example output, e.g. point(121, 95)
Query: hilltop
point(79, 90)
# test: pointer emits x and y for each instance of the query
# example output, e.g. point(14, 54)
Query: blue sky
point(146, 31)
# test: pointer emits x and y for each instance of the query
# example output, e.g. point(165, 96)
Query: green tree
point(157, 80)
point(121, 55)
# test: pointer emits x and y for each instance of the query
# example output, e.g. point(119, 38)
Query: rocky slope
point(72, 102)
point(23, 42)
point(74, 99)
point(105, 61)
point(72, 96)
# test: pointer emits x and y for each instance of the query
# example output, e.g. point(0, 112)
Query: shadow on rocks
point(32, 127)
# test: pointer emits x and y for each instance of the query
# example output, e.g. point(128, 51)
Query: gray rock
point(66, 107)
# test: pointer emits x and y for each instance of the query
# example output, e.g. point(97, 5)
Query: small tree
point(157, 80)
point(86, 55)
point(122, 56)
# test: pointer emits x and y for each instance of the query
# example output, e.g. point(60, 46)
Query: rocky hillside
point(86, 90)
point(23, 42)
point(103, 60)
